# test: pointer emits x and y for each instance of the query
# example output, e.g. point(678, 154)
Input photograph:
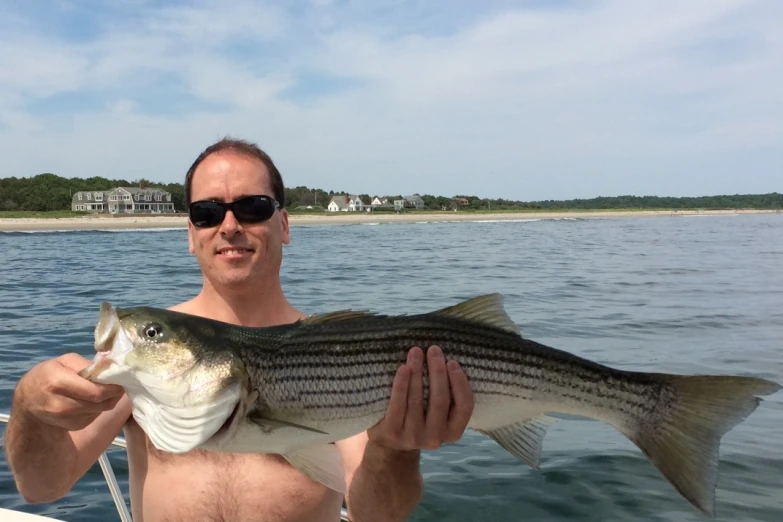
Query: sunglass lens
point(254, 209)
point(206, 213)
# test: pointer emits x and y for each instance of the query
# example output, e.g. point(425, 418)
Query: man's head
point(244, 148)
point(237, 255)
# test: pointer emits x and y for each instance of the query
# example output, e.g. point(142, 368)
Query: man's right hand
point(54, 394)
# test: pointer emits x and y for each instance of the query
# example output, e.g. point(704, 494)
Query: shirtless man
point(61, 423)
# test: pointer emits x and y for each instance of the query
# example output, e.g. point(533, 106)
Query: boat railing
point(114, 486)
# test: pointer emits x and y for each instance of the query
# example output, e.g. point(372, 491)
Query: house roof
point(341, 200)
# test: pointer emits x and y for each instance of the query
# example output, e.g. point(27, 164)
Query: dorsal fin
point(336, 316)
point(487, 309)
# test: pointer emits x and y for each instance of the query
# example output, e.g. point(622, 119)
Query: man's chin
point(234, 275)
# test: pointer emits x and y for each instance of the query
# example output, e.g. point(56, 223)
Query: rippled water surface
point(679, 294)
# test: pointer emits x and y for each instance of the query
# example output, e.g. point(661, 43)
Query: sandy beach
point(104, 222)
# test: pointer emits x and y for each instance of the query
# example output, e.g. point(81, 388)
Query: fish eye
point(152, 331)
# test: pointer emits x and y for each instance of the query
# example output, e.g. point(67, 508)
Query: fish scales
point(367, 360)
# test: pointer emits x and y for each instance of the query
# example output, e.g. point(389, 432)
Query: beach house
point(345, 203)
point(124, 200)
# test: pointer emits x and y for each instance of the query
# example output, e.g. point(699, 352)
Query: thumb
point(73, 361)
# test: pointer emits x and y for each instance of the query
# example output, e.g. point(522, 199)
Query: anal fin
point(321, 463)
point(523, 439)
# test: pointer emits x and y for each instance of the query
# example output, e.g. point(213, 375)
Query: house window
point(80, 196)
point(89, 196)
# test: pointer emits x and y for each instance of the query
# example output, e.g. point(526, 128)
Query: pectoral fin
point(524, 439)
point(321, 463)
point(268, 424)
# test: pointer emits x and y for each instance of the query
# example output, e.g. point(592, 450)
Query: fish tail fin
point(683, 438)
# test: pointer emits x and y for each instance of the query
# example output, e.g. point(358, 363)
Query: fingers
point(414, 415)
point(71, 385)
point(450, 404)
point(462, 410)
point(60, 378)
point(439, 399)
point(398, 403)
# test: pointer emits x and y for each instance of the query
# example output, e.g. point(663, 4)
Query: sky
point(526, 100)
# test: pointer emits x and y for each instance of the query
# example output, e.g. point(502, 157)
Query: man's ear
point(191, 231)
point(285, 232)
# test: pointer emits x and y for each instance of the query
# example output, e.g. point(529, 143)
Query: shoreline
point(344, 218)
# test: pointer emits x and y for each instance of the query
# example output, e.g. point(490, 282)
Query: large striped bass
point(292, 389)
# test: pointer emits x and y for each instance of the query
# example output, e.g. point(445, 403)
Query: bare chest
point(217, 487)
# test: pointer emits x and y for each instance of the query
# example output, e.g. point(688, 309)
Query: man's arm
point(382, 484)
point(60, 424)
point(382, 465)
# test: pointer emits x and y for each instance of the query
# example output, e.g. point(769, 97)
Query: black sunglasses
point(249, 209)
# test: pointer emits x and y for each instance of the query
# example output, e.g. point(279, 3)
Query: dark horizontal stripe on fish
point(364, 356)
point(314, 371)
point(365, 403)
point(422, 336)
point(328, 362)
point(566, 388)
point(378, 387)
point(550, 371)
point(399, 327)
point(318, 376)
point(466, 357)
point(507, 350)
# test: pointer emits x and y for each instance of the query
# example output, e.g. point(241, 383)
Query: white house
point(123, 200)
point(345, 203)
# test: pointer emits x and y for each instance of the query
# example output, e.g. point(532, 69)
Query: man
point(61, 423)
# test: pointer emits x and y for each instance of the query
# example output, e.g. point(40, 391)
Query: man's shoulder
point(187, 307)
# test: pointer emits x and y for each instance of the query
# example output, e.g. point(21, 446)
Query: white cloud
point(212, 22)
point(603, 97)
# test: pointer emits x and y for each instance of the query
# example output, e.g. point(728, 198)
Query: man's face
point(234, 255)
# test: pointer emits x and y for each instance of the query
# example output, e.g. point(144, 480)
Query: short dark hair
point(245, 148)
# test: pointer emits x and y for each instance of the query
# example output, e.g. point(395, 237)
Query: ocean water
point(677, 294)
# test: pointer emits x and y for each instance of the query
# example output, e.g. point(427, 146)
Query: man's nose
point(230, 225)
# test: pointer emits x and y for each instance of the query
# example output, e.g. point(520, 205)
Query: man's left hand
point(406, 426)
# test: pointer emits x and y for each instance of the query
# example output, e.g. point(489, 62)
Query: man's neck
point(256, 306)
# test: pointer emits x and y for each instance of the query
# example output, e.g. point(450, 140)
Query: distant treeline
point(46, 192)
point(738, 201)
point(52, 192)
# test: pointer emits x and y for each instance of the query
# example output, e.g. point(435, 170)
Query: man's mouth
point(234, 251)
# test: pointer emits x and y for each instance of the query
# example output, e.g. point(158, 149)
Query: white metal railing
point(114, 486)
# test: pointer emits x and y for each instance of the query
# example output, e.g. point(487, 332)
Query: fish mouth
point(106, 329)
point(99, 364)
point(108, 334)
